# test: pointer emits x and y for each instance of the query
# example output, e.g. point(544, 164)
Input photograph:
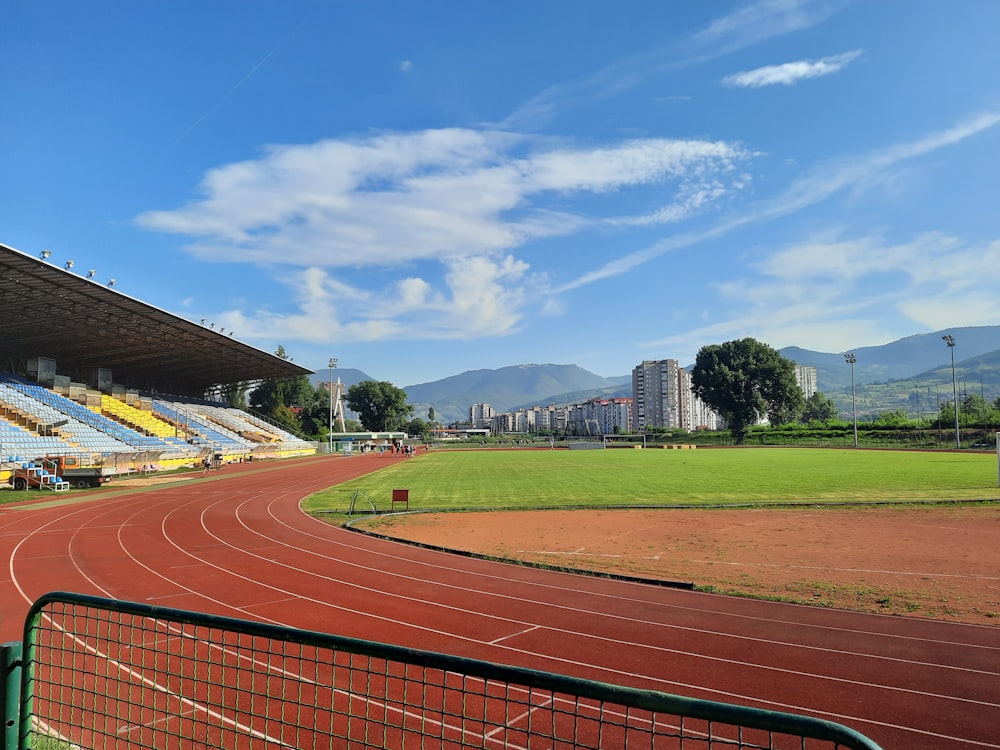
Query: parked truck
point(44, 472)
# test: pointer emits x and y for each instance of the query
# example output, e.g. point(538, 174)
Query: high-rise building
point(806, 378)
point(480, 415)
point(656, 394)
point(662, 397)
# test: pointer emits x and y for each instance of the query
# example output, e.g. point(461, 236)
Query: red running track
point(237, 544)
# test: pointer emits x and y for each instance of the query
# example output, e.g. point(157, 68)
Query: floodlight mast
point(950, 341)
point(332, 364)
point(851, 360)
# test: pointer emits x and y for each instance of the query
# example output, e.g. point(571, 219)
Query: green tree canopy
point(235, 394)
point(818, 408)
point(417, 426)
point(274, 398)
point(744, 380)
point(380, 405)
point(892, 418)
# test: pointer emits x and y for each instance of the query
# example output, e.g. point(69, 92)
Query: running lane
point(236, 543)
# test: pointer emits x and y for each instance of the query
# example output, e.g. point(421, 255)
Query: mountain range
point(912, 373)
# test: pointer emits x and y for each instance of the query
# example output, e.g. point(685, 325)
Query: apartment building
point(480, 415)
point(655, 394)
point(806, 378)
point(601, 416)
point(662, 397)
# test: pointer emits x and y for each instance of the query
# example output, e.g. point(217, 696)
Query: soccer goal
point(625, 441)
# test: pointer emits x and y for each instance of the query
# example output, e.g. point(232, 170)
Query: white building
point(662, 397)
point(480, 415)
point(602, 416)
point(806, 378)
point(655, 394)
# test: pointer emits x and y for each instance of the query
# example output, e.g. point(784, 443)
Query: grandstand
point(86, 370)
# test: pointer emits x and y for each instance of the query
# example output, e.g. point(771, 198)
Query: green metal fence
point(100, 673)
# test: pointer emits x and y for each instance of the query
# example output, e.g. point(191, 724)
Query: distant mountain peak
point(503, 388)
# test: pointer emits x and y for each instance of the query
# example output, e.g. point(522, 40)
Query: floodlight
point(45, 254)
point(950, 341)
point(69, 264)
point(111, 282)
point(91, 273)
point(852, 360)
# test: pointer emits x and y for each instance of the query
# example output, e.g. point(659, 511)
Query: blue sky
point(420, 189)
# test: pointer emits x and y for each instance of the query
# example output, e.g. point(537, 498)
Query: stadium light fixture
point(69, 264)
point(91, 273)
point(852, 360)
point(112, 282)
point(950, 341)
point(203, 321)
point(44, 255)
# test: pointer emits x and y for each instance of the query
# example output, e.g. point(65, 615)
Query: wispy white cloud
point(791, 73)
point(832, 293)
point(816, 186)
point(478, 297)
point(395, 199)
point(747, 25)
point(460, 199)
point(758, 21)
point(406, 66)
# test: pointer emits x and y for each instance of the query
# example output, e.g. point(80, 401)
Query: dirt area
point(939, 562)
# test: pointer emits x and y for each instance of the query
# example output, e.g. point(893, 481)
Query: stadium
point(93, 373)
point(203, 614)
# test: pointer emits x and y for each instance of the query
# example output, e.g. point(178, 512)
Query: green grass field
point(521, 479)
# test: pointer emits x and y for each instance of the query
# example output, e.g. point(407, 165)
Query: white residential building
point(655, 395)
point(806, 378)
point(480, 415)
point(602, 416)
point(662, 397)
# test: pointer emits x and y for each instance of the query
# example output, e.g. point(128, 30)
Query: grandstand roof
point(50, 311)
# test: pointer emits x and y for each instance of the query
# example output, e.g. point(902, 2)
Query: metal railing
point(100, 673)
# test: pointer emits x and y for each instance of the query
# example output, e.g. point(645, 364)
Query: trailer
point(59, 473)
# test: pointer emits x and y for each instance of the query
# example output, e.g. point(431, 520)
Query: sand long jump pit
point(935, 561)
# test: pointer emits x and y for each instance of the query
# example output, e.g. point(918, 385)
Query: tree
point(893, 418)
point(416, 426)
point(274, 396)
point(235, 394)
point(315, 417)
point(381, 406)
point(430, 415)
point(819, 408)
point(286, 418)
point(744, 380)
